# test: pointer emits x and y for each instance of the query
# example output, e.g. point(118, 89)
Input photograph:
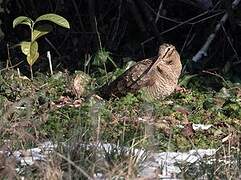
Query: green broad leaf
point(33, 55)
point(101, 57)
point(22, 20)
point(30, 49)
point(186, 79)
point(57, 19)
point(32, 58)
point(25, 47)
point(41, 30)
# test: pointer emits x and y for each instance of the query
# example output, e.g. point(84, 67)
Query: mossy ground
point(29, 115)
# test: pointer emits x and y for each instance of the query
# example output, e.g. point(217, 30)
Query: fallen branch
point(203, 51)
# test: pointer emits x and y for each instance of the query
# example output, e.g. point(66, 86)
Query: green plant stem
point(106, 73)
point(32, 31)
point(31, 71)
point(30, 66)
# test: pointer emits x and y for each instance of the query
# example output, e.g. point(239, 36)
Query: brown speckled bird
point(157, 76)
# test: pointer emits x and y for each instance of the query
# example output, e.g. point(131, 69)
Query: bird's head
point(169, 56)
point(165, 50)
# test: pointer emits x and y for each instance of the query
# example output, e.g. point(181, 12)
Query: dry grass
point(30, 116)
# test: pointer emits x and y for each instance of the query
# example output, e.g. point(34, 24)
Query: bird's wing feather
point(131, 80)
point(135, 78)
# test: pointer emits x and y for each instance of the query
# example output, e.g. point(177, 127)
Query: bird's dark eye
point(169, 62)
point(160, 70)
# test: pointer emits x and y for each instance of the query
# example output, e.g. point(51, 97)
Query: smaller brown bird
point(157, 76)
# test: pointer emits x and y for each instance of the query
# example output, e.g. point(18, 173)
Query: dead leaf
point(188, 130)
point(79, 84)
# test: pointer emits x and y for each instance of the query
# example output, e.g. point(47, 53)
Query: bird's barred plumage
point(157, 76)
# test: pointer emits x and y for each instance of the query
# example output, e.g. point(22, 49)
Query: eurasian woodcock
point(157, 76)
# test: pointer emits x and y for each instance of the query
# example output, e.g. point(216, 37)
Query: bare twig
point(50, 62)
point(63, 42)
point(87, 63)
point(203, 51)
point(9, 58)
point(55, 49)
point(184, 45)
point(11, 67)
point(218, 68)
point(91, 8)
point(117, 24)
point(217, 75)
point(137, 16)
point(162, 17)
point(230, 42)
point(186, 40)
point(209, 17)
point(175, 27)
point(78, 14)
point(146, 12)
point(119, 28)
point(98, 34)
point(19, 74)
point(203, 4)
point(192, 23)
point(158, 12)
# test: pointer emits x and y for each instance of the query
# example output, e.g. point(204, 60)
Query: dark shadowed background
point(128, 29)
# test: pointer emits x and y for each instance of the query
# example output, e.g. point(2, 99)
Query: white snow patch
point(165, 162)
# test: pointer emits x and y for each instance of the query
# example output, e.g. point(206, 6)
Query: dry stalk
point(203, 51)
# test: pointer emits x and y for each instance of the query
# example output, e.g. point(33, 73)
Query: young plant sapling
point(30, 48)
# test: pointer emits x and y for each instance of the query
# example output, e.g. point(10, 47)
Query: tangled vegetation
point(47, 108)
point(96, 138)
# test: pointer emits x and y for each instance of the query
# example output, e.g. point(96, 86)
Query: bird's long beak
point(158, 61)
